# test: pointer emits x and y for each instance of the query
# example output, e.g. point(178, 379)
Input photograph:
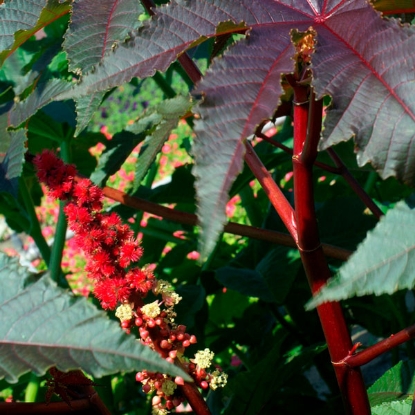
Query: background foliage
point(134, 129)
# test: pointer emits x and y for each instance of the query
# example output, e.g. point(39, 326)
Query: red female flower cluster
point(110, 248)
point(108, 244)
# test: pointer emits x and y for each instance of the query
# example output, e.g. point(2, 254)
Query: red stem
point(274, 193)
point(307, 127)
point(288, 150)
point(367, 355)
point(233, 228)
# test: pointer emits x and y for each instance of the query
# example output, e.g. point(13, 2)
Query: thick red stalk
point(288, 150)
point(307, 127)
point(274, 193)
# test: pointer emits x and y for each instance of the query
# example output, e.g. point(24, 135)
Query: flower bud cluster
point(167, 396)
point(110, 249)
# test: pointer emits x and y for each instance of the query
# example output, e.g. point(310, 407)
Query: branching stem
point(233, 228)
point(372, 352)
point(307, 128)
point(274, 193)
point(288, 150)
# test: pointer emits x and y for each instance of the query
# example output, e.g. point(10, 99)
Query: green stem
point(57, 249)
point(164, 85)
point(55, 269)
point(370, 182)
point(32, 388)
point(35, 230)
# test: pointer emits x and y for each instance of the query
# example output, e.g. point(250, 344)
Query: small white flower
point(151, 310)
point(124, 312)
point(203, 358)
point(219, 380)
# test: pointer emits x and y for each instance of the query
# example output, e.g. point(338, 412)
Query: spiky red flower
point(111, 291)
point(108, 244)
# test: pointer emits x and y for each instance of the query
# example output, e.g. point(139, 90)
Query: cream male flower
point(219, 380)
point(124, 312)
point(151, 310)
point(203, 358)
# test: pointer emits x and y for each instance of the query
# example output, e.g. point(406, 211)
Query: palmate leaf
point(358, 61)
point(21, 19)
point(42, 326)
point(95, 30)
point(383, 263)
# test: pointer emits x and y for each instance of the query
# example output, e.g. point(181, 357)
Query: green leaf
point(85, 109)
point(12, 165)
point(226, 306)
point(396, 384)
point(393, 408)
point(279, 268)
point(41, 96)
point(168, 113)
point(245, 281)
point(394, 6)
point(383, 263)
point(253, 389)
point(21, 19)
point(116, 152)
point(193, 299)
point(95, 29)
point(42, 325)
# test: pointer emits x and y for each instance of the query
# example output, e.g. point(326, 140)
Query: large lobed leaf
point(21, 19)
point(383, 263)
point(358, 61)
point(42, 326)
